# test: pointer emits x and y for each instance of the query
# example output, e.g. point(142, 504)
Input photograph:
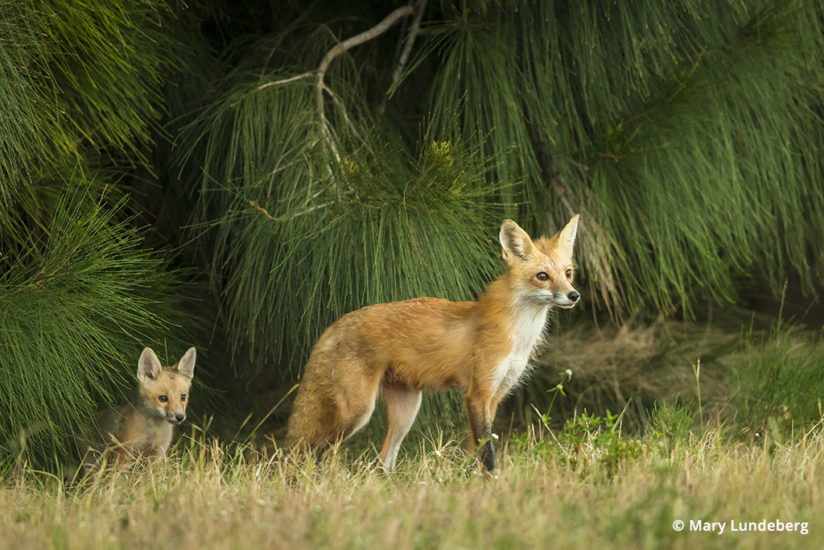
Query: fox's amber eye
point(569, 273)
point(163, 398)
point(183, 397)
point(542, 276)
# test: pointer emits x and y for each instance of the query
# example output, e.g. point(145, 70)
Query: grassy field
point(582, 489)
point(740, 443)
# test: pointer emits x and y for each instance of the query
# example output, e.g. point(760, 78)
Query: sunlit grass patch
point(215, 495)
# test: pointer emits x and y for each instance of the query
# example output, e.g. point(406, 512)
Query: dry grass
point(204, 498)
point(561, 489)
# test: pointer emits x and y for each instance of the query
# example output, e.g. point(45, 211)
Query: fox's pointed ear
point(148, 366)
point(186, 365)
point(566, 238)
point(515, 242)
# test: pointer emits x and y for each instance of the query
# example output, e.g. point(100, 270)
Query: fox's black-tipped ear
point(515, 243)
point(566, 238)
point(148, 366)
point(186, 366)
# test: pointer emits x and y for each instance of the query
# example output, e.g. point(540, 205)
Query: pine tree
point(311, 159)
point(687, 134)
point(80, 290)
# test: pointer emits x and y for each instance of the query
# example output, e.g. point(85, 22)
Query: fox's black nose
point(180, 417)
point(573, 295)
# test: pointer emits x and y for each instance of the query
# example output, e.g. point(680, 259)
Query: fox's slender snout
point(175, 418)
point(565, 301)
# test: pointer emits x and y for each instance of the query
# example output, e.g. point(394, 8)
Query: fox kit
point(399, 349)
point(143, 427)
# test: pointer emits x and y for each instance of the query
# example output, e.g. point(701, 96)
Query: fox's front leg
point(481, 412)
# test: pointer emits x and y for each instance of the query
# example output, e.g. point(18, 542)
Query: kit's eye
point(569, 273)
point(183, 397)
point(163, 398)
point(542, 276)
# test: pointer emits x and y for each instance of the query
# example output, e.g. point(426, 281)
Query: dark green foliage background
point(168, 177)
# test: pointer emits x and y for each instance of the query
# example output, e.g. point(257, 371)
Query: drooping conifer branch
point(341, 47)
point(409, 41)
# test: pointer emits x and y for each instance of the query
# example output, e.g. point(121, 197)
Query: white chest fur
point(528, 328)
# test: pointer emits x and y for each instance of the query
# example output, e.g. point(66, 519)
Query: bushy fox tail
point(335, 400)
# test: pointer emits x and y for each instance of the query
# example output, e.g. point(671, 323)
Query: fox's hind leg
point(402, 404)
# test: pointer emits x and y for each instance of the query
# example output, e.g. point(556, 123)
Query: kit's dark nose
point(573, 295)
point(180, 417)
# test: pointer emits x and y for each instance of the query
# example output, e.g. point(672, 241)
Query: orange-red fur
point(145, 426)
point(399, 349)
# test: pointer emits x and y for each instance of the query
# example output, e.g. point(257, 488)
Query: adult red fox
point(398, 349)
point(143, 427)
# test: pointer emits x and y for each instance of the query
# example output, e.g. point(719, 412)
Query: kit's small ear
point(148, 366)
point(186, 366)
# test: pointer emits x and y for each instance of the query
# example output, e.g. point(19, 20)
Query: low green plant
point(591, 440)
point(586, 439)
point(777, 382)
point(669, 424)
